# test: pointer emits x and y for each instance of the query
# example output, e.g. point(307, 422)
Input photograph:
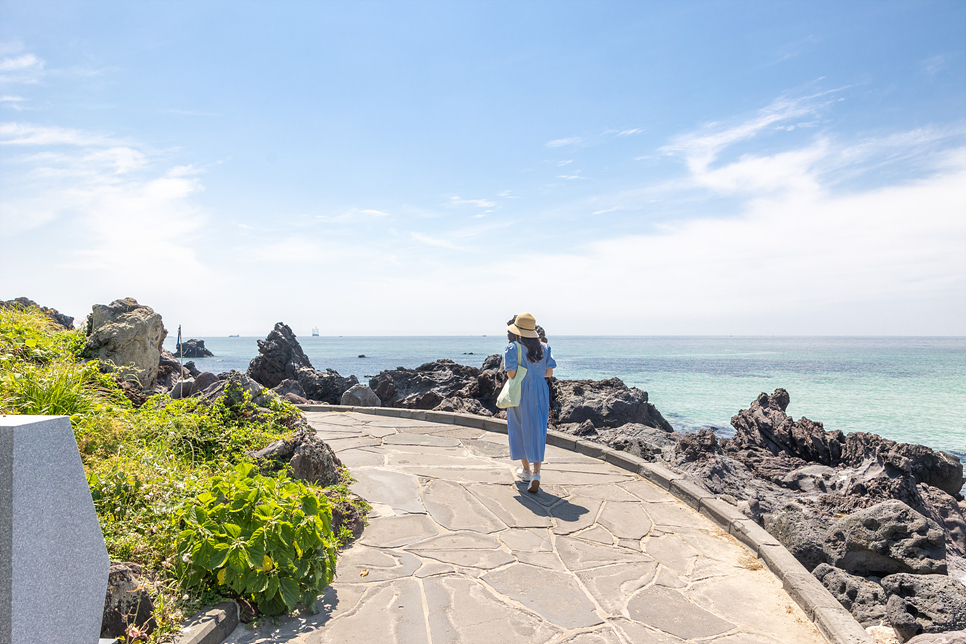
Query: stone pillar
point(53, 562)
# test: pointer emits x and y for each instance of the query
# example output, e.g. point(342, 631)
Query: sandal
point(534, 483)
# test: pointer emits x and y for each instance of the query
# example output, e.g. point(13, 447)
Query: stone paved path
point(458, 552)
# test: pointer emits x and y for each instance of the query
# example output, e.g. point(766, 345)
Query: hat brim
point(523, 333)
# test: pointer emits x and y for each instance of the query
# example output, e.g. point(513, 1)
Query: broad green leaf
point(290, 591)
point(218, 555)
point(233, 530)
point(310, 504)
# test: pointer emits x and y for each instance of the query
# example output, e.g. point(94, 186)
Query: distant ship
point(233, 336)
point(315, 332)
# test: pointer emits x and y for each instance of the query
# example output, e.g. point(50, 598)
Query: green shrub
point(59, 389)
point(265, 539)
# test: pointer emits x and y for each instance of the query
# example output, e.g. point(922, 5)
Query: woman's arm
point(511, 373)
point(549, 373)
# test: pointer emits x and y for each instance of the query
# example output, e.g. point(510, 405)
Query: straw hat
point(524, 326)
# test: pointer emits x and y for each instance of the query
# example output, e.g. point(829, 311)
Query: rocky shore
point(880, 523)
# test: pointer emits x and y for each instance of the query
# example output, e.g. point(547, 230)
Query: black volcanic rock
point(193, 349)
point(427, 385)
point(23, 303)
point(605, 403)
point(280, 357)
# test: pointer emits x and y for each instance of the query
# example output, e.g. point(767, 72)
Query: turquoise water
point(908, 389)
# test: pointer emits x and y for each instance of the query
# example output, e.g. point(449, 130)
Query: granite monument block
point(53, 562)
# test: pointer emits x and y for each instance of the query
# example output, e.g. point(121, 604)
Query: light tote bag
point(510, 394)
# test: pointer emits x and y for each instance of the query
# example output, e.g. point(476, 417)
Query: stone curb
point(210, 627)
point(835, 623)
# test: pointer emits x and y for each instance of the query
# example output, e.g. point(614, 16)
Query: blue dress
point(527, 424)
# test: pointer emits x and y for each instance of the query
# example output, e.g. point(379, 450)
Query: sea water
point(908, 389)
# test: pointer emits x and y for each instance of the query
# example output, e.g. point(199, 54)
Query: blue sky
point(433, 167)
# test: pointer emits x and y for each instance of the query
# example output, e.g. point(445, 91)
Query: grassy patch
point(149, 468)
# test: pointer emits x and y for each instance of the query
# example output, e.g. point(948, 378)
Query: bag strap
point(520, 355)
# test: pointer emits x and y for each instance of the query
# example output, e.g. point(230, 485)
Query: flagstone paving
point(458, 552)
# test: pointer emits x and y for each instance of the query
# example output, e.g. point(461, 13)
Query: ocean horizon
point(910, 389)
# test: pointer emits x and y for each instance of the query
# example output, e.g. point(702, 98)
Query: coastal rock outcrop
point(235, 385)
point(865, 599)
point(887, 538)
point(193, 349)
point(128, 335)
point(23, 303)
point(127, 602)
point(324, 386)
point(289, 386)
point(280, 357)
point(605, 403)
point(801, 534)
point(463, 406)
point(360, 396)
point(427, 385)
point(925, 603)
point(307, 456)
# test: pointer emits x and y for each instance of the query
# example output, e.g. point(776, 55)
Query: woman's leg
point(525, 464)
point(535, 478)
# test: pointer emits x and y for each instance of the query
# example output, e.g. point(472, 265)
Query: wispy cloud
point(479, 203)
point(559, 143)
point(353, 214)
point(26, 69)
point(636, 130)
point(44, 135)
point(561, 164)
point(434, 241)
point(189, 112)
point(571, 177)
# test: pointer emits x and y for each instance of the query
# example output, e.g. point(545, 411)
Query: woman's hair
point(534, 349)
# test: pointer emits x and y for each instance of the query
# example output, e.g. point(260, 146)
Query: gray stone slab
point(398, 491)
point(393, 532)
point(603, 635)
point(399, 460)
point(392, 613)
point(375, 431)
point(646, 491)
point(574, 514)
point(426, 449)
point(481, 559)
point(487, 448)
point(749, 598)
point(362, 564)
point(511, 506)
point(464, 611)
point(606, 492)
point(339, 444)
point(527, 540)
point(613, 586)
point(638, 633)
point(668, 610)
point(53, 562)
point(553, 595)
point(672, 551)
point(548, 560)
point(363, 457)
point(625, 520)
point(433, 568)
point(668, 516)
point(583, 555)
point(324, 418)
point(421, 439)
point(597, 534)
point(459, 541)
point(335, 601)
point(553, 475)
point(454, 508)
point(459, 474)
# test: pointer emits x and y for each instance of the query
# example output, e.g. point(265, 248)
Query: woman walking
point(527, 423)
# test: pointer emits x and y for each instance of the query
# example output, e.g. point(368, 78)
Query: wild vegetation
point(172, 486)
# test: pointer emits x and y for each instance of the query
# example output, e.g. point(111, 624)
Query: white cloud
point(558, 143)
point(41, 135)
point(561, 164)
point(570, 177)
point(479, 203)
point(21, 69)
point(636, 130)
point(434, 241)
